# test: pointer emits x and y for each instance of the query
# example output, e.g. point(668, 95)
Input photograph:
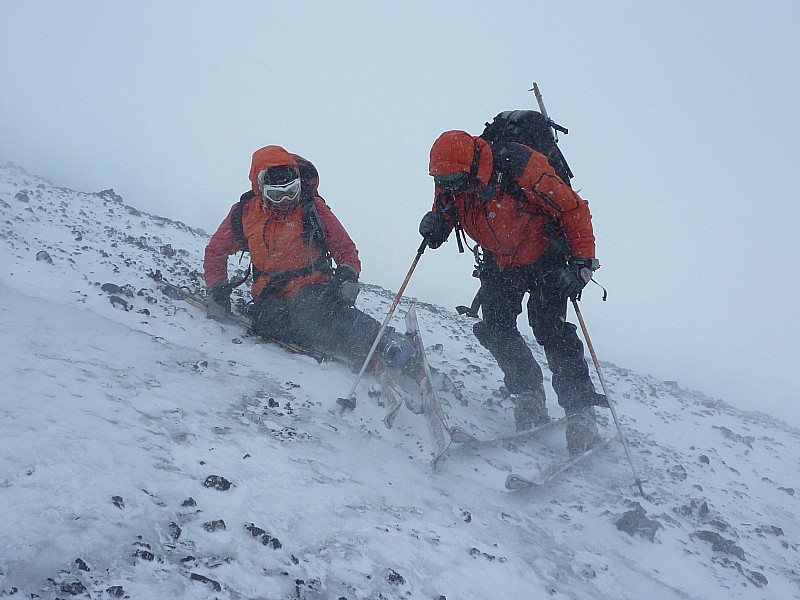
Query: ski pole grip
point(422, 246)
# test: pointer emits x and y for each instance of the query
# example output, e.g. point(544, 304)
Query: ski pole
point(608, 397)
point(349, 403)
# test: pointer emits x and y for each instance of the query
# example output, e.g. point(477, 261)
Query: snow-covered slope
point(147, 452)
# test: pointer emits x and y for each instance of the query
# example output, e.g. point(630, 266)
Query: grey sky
point(683, 137)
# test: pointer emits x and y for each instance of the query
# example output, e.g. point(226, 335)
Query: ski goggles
point(278, 194)
point(452, 182)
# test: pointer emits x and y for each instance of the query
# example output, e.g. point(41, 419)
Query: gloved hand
point(218, 302)
point(434, 229)
point(345, 279)
point(574, 276)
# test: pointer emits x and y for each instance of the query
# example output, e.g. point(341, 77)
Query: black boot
point(530, 410)
point(581, 430)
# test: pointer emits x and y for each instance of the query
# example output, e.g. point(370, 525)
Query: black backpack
point(532, 129)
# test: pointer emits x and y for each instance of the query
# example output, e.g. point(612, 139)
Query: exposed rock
point(756, 578)
point(109, 194)
point(216, 525)
point(720, 544)
point(218, 483)
point(678, 473)
point(113, 288)
point(118, 302)
point(395, 578)
point(263, 537)
point(175, 530)
point(206, 580)
point(635, 522)
point(73, 587)
point(82, 566)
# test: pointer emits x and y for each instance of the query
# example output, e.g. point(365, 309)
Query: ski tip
point(459, 436)
point(438, 456)
point(517, 482)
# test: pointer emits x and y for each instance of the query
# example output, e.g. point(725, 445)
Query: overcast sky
point(683, 122)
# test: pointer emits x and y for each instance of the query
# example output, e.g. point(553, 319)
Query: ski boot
point(581, 430)
point(530, 410)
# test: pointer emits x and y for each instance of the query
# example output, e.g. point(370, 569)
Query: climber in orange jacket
point(294, 239)
point(535, 236)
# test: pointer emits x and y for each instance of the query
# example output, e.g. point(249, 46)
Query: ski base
point(431, 408)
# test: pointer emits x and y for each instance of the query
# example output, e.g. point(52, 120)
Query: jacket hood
point(266, 157)
point(454, 152)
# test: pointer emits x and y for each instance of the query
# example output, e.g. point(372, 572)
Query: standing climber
point(536, 237)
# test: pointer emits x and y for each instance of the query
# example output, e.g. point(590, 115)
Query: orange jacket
point(513, 227)
point(275, 239)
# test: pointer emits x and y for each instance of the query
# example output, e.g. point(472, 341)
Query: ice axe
point(349, 403)
point(555, 126)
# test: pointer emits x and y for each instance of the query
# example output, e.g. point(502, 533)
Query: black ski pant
point(319, 318)
point(502, 294)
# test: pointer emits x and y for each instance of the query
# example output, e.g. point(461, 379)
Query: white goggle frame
point(279, 195)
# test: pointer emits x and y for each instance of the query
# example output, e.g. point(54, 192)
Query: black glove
point(218, 302)
point(345, 280)
point(574, 276)
point(434, 229)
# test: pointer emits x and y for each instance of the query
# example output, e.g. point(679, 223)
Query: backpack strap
point(280, 279)
point(236, 219)
point(511, 159)
point(509, 162)
point(313, 230)
point(476, 160)
point(312, 222)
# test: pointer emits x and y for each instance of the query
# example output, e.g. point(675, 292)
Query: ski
point(460, 436)
point(432, 409)
point(518, 482)
point(177, 292)
point(391, 393)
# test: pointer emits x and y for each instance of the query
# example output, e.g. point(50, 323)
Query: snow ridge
point(146, 452)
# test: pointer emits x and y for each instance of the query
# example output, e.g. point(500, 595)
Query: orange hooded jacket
point(513, 229)
point(275, 239)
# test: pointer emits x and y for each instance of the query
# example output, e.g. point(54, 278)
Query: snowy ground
point(147, 452)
